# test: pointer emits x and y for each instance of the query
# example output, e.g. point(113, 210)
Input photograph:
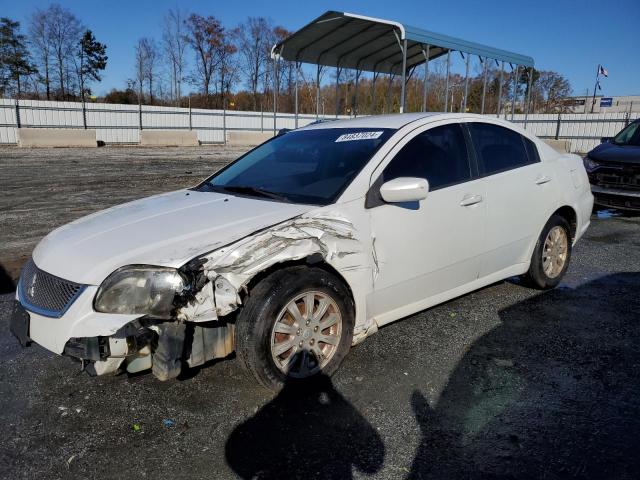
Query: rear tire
point(551, 254)
point(274, 346)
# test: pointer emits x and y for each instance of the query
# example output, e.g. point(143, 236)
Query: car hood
point(166, 230)
point(610, 152)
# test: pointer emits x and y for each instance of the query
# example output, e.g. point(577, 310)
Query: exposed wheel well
point(569, 214)
point(315, 261)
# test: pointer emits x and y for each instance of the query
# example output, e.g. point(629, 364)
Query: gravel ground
point(45, 188)
point(506, 382)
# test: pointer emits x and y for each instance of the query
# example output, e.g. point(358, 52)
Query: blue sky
point(567, 36)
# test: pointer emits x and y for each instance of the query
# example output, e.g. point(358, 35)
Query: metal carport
point(346, 40)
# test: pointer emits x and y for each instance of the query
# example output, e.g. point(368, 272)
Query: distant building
point(603, 104)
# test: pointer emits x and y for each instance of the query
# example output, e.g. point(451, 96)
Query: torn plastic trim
point(166, 347)
point(223, 274)
point(101, 355)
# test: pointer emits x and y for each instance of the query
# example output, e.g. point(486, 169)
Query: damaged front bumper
point(110, 343)
point(201, 327)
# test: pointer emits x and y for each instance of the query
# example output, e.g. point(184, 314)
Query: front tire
point(296, 323)
point(551, 255)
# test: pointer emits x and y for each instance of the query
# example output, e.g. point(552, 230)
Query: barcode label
point(349, 137)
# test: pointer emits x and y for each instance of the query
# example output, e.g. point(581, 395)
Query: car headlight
point(590, 164)
point(139, 289)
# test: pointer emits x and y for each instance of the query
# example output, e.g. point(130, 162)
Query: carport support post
point(485, 65)
point(404, 75)
point(446, 84)
point(389, 88)
point(224, 119)
point(373, 92)
point(355, 96)
point(526, 106)
point(275, 92)
point(514, 97)
point(318, 71)
point(338, 71)
point(426, 78)
point(18, 122)
point(500, 89)
point(297, 66)
point(466, 83)
point(318, 92)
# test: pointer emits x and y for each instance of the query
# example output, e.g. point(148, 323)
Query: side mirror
point(605, 140)
point(404, 189)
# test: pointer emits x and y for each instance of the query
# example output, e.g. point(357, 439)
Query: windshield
point(629, 135)
point(305, 166)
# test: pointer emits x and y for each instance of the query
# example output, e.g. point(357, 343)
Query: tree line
point(58, 59)
point(196, 60)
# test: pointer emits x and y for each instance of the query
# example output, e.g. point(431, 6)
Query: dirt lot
point(45, 188)
point(506, 382)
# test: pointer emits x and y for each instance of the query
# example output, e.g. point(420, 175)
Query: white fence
point(582, 130)
point(122, 123)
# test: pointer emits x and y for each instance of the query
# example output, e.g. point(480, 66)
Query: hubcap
point(306, 334)
point(554, 253)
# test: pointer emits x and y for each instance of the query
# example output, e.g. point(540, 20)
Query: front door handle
point(542, 179)
point(468, 200)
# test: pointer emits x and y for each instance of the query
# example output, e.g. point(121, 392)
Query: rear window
point(500, 149)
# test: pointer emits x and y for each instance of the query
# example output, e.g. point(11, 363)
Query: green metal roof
point(340, 39)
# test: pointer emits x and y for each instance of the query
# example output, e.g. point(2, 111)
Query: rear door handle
point(542, 179)
point(469, 200)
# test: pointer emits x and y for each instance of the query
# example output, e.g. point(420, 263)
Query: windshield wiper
point(255, 191)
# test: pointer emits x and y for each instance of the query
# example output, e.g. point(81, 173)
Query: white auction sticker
point(349, 137)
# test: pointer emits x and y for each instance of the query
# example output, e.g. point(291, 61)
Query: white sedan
point(305, 246)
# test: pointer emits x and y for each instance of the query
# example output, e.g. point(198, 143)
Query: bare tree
point(175, 44)
point(64, 34)
point(40, 39)
point(146, 67)
point(286, 69)
point(553, 89)
point(227, 64)
point(141, 67)
point(205, 37)
point(268, 77)
point(253, 39)
point(152, 56)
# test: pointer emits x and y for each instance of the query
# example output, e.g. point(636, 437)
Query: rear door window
point(438, 155)
point(500, 149)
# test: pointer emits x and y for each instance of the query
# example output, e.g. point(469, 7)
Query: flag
point(598, 85)
point(602, 71)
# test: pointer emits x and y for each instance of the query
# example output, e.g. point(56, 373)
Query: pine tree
point(14, 56)
point(92, 59)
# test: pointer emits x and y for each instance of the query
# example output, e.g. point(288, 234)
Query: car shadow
point(7, 285)
point(308, 430)
point(552, 392)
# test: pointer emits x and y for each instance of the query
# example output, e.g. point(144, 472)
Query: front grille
point(617, 175)
point(44, 293)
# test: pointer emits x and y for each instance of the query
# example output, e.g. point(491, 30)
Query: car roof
point(394, 121)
